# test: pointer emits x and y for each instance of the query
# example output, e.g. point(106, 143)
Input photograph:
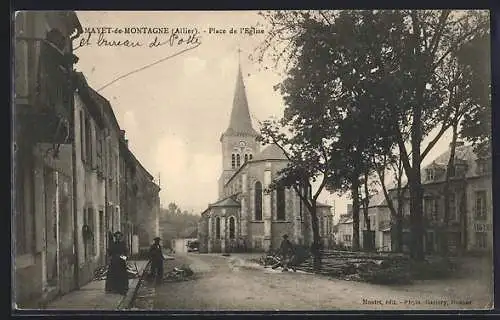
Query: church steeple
point(240, 122)
point(239, 141)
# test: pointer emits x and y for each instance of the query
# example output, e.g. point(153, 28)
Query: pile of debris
point(182, 273)
point(381, 268)
point(101, 272)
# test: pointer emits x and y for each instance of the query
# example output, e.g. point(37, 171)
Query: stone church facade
point(246, 217)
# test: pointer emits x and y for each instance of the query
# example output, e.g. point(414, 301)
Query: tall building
point(44, 259)
point(245, 217)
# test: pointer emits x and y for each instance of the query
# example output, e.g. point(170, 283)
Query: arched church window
point(258, 201)
point(217, 228)
point(250, 156)
point(280, 203)
point(246, 157)
point(233, 160)
point(232, 228)
point(238, 160)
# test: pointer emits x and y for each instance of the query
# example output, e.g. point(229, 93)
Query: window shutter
point(93, 134)
point(82, 136)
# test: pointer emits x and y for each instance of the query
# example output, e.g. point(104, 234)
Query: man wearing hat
point(156, 258)
point(286, 250)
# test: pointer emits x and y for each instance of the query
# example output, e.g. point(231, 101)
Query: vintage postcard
point(252, 160)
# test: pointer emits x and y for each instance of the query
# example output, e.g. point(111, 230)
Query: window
point(82, 135)
point(99, 149)
point(258, 201)
point(481, 241)
point(250, 157)
point(217, 228)
point(429, 174)
point(430, 208)
point(280, 203)
point(347, 238)
point(88, 141)
point(480, 207)
point(246, 157)
point(232, 228)
point(233, 161)
point(483, 166)
point(238, 160)
point(453, 171)
point(453, 208)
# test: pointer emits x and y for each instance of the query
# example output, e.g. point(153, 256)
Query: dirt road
point(232, 283)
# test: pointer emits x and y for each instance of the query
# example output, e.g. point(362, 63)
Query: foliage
point(176, 223)
point(475, 57)
point(360, 83)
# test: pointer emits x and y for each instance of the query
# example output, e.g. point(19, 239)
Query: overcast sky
point(174, 112)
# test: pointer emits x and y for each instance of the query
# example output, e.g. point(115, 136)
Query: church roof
point(272, 151)
point(240, 122)
point(227, 202)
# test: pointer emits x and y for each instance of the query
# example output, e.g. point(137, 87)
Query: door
point(50, 227)
point(102, 236)
point(386, 241)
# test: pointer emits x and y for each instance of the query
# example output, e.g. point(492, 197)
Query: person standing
point(117, 277)
point(156, 258)
point(286, 251)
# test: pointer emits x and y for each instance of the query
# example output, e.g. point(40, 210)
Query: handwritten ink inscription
point(102, 37)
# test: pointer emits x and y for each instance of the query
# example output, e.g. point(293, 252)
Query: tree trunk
point(399, 214)
point(446, 191)
point(355, 213)
point(366, 203)
point(316, 245)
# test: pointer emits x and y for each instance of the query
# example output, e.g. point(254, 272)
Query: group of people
point(117, 275)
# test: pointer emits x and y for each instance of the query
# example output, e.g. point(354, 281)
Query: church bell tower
point(239, 141)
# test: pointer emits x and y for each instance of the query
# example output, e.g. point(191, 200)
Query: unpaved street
point(232, 283)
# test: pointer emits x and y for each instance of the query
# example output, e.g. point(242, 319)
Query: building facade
point(469, 227)
point(246, 217)
point(43, 212)
point(66, 165)
point(90, 186)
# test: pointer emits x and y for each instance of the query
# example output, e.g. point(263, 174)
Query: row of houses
point(469, 227)
point(74, 177)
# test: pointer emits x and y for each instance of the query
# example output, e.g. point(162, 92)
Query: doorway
point(102, 237)
point(50, 226)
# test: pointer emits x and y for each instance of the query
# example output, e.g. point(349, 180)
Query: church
point(245, 217)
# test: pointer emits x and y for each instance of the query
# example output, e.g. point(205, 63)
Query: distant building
point(344, 231)
point(245, 217)
point(471, 207)
point(378, 213)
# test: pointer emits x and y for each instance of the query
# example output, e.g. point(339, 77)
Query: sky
point(175, 111)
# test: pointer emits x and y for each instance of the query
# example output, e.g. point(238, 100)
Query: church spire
point(240, 115)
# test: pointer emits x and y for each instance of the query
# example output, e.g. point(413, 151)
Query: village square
point(369, 186)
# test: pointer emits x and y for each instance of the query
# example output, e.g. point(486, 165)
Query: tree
point(393, 67)
point(393, 163)
point(309, 160)
point(433, 38)
point(476, 126)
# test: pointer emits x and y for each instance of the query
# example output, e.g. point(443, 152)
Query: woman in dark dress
point(117, 277)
